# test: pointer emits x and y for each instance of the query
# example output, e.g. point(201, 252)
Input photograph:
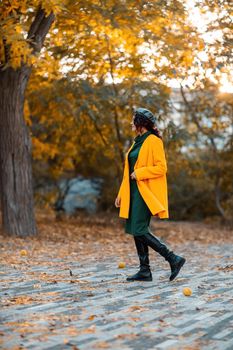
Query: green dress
point(139, 214)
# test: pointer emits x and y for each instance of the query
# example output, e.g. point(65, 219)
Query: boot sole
point(179, 267)
point(148, 279)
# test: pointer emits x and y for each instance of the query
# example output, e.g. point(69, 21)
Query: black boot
point(175, 261)
point(144, 274)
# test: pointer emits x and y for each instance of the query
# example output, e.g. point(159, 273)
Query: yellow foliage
point(19, 51)
point(68, 164)
point(42, 150)
point(27, 114)
point(13, 29)
point(54, 6)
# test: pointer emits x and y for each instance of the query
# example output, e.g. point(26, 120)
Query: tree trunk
point(15, 155)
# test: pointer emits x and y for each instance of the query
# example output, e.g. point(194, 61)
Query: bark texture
point(15, 155)
point(16, 190)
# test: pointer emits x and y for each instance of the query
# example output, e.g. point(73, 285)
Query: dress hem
point(130, 233)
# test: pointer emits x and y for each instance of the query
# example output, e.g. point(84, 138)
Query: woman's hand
point(133, 176)
point(117, 202)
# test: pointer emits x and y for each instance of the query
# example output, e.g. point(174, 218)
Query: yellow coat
point(150, 170)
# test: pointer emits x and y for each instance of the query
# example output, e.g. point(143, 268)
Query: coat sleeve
point(159, 167)
point(120, 189)
point(124, 172)
point(121, 186)
point(119, 192)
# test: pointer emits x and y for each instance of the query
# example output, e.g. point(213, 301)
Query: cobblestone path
point(90, 305)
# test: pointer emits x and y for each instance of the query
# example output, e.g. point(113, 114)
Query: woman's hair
point(142, 121)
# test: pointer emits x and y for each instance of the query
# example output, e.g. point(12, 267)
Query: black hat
point(146, 113)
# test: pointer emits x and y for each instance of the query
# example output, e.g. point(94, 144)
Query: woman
point(143, 193)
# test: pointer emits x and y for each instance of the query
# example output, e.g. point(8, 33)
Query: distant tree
point(208, 117)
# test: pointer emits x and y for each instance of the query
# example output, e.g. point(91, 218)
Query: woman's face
point(132, 125)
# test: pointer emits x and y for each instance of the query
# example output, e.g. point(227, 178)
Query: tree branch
point(91, 116)
point(35, 24)
point(6, 50)
point(39, 29)
point(191, 110)
point(116, 118)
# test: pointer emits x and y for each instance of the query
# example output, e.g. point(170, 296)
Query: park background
point(71, 75)
point(91, 64)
